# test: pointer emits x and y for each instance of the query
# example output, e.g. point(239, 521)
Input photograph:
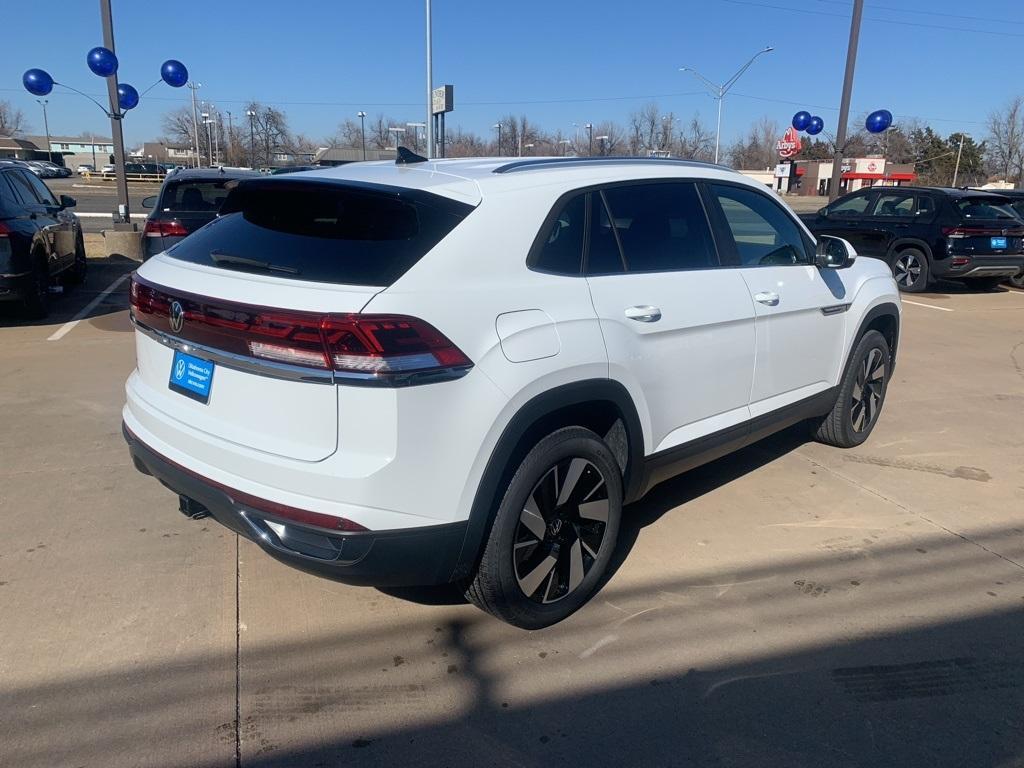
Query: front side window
point(854, 205)
point(661, 227)
point(764, 235)
point(561, 248)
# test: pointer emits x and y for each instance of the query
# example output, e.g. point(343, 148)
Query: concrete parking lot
point(792, 605)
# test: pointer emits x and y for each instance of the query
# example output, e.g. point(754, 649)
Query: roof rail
point(541, 162)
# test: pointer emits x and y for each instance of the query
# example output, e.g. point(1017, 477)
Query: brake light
point(959, 232)
point(164, 228)
point(377, 348)
point(4, 230)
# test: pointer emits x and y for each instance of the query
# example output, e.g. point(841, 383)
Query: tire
point(1017, 281)
point(910, 270)
point(543, 560)
point(852, 418)
point(983, 283)
point(37, 296)
point(76, 275)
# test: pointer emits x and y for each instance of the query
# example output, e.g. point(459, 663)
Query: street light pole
point(252, 137)
point(362, 131)
point(590, 134)
point(719, 91)
point(46, 123)
point(430, 84)
point(123, 205)
point(231, 140)
point(195, 124)
point(603, 139)
point(844, 105)
point(209, 136)
point(498, 126)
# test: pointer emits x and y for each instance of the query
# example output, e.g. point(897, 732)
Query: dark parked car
point(295, 169)
point(40, 240)
point(925, 233)
point(1016, 197)
point(187, 200)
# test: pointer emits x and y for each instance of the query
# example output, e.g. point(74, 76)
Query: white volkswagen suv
point(462, 370)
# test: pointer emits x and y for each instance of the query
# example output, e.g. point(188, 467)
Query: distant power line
point(917, 12)
point(920, 25)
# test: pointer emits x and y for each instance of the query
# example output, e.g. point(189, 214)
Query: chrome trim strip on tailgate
point(239, 362)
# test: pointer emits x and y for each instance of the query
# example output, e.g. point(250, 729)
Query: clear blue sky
point(577, 60)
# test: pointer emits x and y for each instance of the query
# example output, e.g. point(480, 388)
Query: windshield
point(985, 208)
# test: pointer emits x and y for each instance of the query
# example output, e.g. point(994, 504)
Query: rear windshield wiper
point(220, 257)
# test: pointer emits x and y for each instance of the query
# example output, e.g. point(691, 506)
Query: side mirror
point(833, 253)
point(66, 201)
point(149, 202)
point(823, 212)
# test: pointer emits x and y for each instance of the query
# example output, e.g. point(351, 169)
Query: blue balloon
point(815, 125)
point(878, 121)
point(801, 120)
point(37, 82)
point(102, 61)
point(174, 73)
point(127, 96)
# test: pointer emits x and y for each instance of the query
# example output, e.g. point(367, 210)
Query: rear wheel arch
point(909, 242)
point(602, 405)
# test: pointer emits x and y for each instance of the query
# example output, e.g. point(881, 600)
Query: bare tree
point(695, 141)
point(1005, 144)
point(756, 151)
point(12, 120)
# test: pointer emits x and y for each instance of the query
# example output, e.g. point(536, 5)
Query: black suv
point(925, 233)
point(187, 200)
point(40, 240)
point(1016, 197)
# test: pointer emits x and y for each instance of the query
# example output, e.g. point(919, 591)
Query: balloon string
point(90, 98)
point(154, 85)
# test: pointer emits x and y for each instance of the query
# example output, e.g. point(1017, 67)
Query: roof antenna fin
point(407, 156)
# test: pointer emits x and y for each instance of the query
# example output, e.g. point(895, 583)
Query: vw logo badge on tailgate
point(177, 316)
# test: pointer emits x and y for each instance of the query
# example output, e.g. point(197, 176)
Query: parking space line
point(65, 329)
point(930, 306)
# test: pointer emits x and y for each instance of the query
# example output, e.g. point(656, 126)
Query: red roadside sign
point(789, 145)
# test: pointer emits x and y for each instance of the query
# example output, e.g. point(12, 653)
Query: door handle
point(767, 297)
point(644, 314)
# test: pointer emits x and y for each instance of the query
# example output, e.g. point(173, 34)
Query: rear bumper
point(399, 557)
point(979, 266)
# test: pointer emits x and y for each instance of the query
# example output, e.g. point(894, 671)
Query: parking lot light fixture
point(252, 137)
point(590, 134)
point(564, 143)
point(602, 139)
point(498, 127)
point(396, 130)
point(718, 91)
point(46, 124)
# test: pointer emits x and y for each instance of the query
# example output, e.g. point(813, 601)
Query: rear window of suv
point(195, 196)
point(323, 231)
point(985, 208)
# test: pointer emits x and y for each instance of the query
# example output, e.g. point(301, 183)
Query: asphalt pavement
point(790, 605)
point(97, 200)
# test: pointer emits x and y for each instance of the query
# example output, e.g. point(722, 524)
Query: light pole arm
point(714, 87)
point(732, 80)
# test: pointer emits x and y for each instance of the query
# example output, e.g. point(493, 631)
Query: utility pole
point(590, 133)
point(252, 137)
point(362, 132)
point(430, 84)
point(123, 206)
point(92, 141)
point(46, 123)
point(959, 152)
point(844, 105)
point(195, 123)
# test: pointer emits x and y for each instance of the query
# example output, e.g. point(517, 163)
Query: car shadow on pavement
point(71, 300)
point(908, 655)
point(663, 498)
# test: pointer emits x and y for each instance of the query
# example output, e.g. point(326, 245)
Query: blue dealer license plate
point(191, 376)
point(999, 242)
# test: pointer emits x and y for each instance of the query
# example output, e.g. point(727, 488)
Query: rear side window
point(195, 196)
point(8, 201)
point(561, 250)
point(22, 188)
point(894, 204)
point(661, 227)
point(323, 232)
point(42, 191)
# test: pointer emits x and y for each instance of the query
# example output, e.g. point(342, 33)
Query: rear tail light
point(960, 261)
point(4, 230)
point(959, 232)
point(384, 349)
point(164, 228)
point(5, 240)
